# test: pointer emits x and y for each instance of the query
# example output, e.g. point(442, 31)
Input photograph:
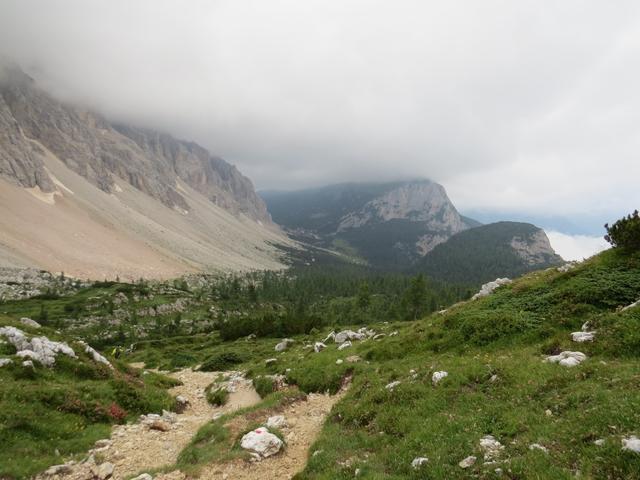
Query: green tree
point(415, 297)
point(364, 296)
point(625, 233)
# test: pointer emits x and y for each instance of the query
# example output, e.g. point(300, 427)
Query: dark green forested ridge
point(484, 253)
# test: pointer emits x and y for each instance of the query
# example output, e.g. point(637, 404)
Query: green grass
point(47, 415)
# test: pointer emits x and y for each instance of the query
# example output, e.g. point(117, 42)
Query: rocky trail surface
point(155, 441)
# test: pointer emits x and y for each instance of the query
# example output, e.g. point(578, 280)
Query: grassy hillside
point(498, 384)
point(47, 414)
point(482, 254)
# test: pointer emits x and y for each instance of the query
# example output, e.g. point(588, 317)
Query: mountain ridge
point(91, 198)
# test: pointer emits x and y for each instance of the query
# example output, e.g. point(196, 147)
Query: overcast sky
point(516, 107)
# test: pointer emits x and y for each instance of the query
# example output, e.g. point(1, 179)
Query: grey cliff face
point(88, 144)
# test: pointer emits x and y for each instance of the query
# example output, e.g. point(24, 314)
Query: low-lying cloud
point(511, 105)
point(576, 247)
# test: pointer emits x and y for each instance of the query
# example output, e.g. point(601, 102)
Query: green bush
point(625, 233)
point(221, 362)
point(264, 386)
point(216, 395)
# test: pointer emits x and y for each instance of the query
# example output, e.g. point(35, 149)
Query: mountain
point(386, 224)
point(487, 252)
point(81, 194)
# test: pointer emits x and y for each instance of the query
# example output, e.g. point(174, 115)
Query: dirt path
point(304, 421)
point(134, 448)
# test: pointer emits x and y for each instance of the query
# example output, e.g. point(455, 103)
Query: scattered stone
point(143, 476)
point(331, 336)
point(581, 337)
point(40, 349)
point(339, 361)
point(58, 470)
point(631, 443)
point(277, 421)
point(437, 376)
point(181, 404)
point(345, 335)
point(284, 344)
point(105, 442)
point(498, 471)
point(353, 359)
point(633, 305)
point(467, 462)
point(95, 355)
point(488, 288)
point(344, 345)
point(316, 453)
point(318, 347)
point(394, 333)
point(270, 361)
point(5, 361)
point(548, 413)
point(261, 443)
point(217, 416)
point(160, 425)
point(566, 267)
point(27, 363)
point(494, 378)
point(567, 359)
point(103, 471)
point(418, 462)
point(29, 323)
point(599, 442)
point(491, 447)
point(537, 446)
point(392, 385)
point(379, 336)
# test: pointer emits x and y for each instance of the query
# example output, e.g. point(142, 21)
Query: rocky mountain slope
point(162, 206)
point(386, 224)
point(484, 253)
point(410, 225)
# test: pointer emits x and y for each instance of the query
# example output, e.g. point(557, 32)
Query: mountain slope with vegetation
point(481, 254)
point(386, 224)
point(551, 420)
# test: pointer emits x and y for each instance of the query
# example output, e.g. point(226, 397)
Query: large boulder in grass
point(567, 359)
point(261, 443)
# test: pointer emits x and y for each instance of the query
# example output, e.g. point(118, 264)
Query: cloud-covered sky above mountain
point(515, 106)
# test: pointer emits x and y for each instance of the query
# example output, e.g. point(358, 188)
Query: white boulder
point(418, 462)
point(261, 443)
point(392, 385)
point(537, 446)
point(491, 447)
point(284, 344)
point(97, 357)
point(631, 443)
point(437, 376)
point(5, 361)
point(29, 323)
point(344, 345)
point(633, 305)
point(277, 421)
point(318, 347)
point(567, 359)
point(467, 462)
point(488, 288)
point(581, 337)
point(40, 349)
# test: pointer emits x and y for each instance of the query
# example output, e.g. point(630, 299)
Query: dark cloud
point(524, 106)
